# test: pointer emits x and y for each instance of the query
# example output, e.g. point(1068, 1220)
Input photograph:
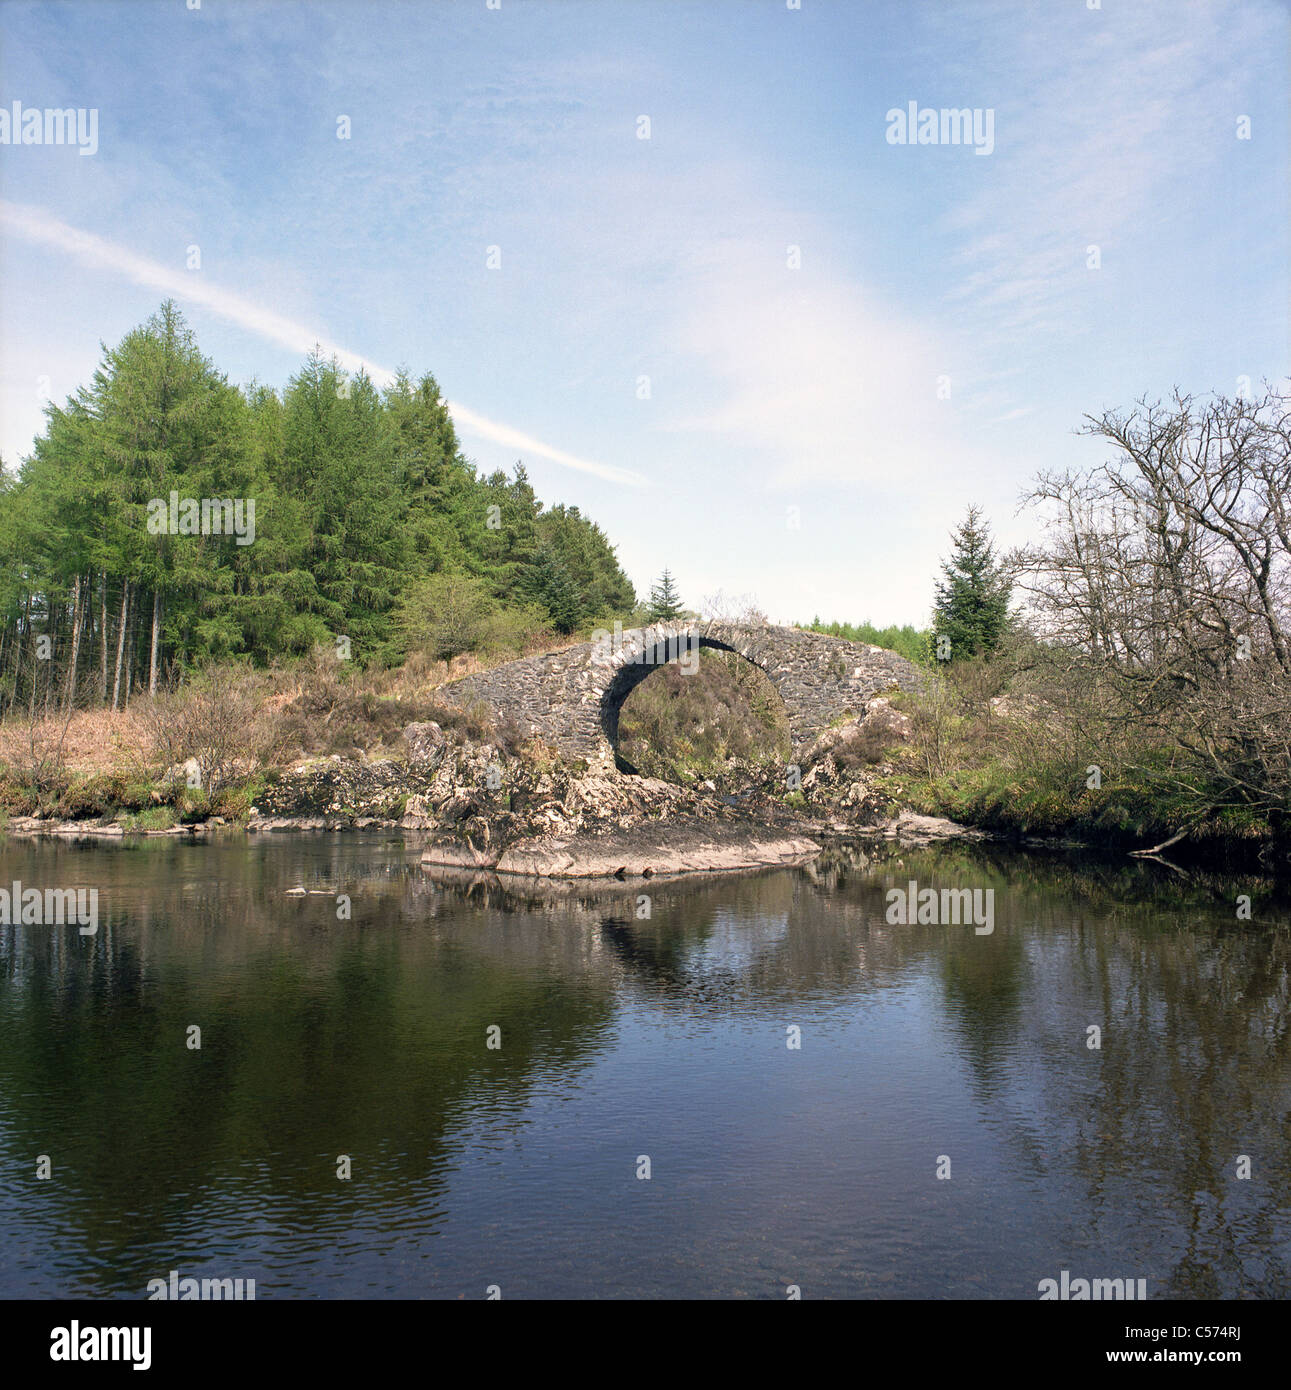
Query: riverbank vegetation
point(210, 747)
point(1145, 700)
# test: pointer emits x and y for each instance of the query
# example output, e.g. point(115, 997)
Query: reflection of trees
point(1194, 1068)
point(319, 1037)
point(702, 940)
point(984, 979)
point(367, 1036)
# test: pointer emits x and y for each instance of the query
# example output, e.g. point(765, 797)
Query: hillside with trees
point(360, 525)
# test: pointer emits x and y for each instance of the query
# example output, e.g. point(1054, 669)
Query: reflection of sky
point(769, 1165)
point(734, 941)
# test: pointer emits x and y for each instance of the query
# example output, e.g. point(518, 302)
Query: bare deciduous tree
point(35, 742)
point(722, 607)
point(1165, 580)
point(219, 721)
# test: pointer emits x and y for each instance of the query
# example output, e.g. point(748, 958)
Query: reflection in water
point(367, 1036)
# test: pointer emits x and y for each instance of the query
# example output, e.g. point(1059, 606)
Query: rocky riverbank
point(485, 807)
point(481, 805)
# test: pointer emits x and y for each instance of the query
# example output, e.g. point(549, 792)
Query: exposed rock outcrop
point(539, 814)
point(490, 807)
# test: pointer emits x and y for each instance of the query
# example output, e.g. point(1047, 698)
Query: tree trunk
point(103, 638)
point(156, 634)
point(121, 643)
point(26, 637)
point(132, 650)
point(78, 622)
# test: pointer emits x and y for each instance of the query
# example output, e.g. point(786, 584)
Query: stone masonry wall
point(571, 697)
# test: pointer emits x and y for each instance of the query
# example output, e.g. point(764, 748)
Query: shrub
point(141, 796)
point(446, 614)
point(235, 801)
point(681, 727)
point(18, 798)
point(220, 720)
point(91, 796)
point(513, 631)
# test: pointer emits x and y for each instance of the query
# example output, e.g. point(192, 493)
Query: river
point(751, 1091)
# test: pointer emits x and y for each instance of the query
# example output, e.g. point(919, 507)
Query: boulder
point(426, 742)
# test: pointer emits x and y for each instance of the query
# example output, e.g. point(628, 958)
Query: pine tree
point(362, 497)
point(549, 584)
point(341, 462)
point(665, 601)
point(972, 607)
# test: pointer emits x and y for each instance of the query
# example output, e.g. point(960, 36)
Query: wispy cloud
point(35, 225)
point(1111, 118)
point(817, 378)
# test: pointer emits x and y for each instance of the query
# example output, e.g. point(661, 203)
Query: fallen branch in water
point(1165, 844)
point(1158, 859)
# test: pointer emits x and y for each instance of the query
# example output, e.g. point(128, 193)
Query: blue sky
point(777, 395)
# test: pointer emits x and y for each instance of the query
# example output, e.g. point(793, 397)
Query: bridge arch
point(653, 656)
point(572, 698)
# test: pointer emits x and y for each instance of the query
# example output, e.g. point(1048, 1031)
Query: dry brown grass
point(97, 740)
point(367, 709)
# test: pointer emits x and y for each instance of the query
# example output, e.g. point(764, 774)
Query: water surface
point(624, 1039)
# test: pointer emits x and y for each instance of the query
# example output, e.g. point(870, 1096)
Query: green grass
point(155, 818)
point(1134, 810)
point(136, 804)
point(234, 801)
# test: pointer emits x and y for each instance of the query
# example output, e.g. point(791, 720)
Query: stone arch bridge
point(572, 698)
